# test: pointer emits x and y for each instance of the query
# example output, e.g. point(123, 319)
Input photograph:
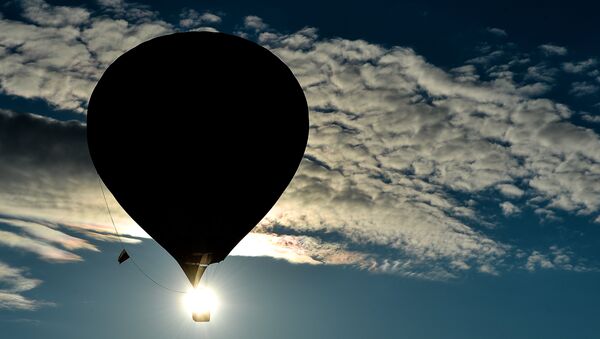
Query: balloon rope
point(122, 244)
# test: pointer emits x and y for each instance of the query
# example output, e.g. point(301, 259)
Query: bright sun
point(200, 300)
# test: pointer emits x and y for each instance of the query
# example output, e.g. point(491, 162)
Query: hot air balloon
point(197, 135)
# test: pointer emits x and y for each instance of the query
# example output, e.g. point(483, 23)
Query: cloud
point(486, 59)
point(497, 31)
point(541, 72)
point(131, 11)
point(49, 234)
point(537, 260)
point(591, 118)
point(399, 154)
point(44, 250)
point(49, 182)
point(583, 88)
point(509, 209)
point(578, 67)
point(50, 203)
point(392, 135)
point(254, 23)
point(550, 49)
point(191, 19)
point(62, 64)
point(510, 191)
point(43, 14)
point(12, 283)
point(296, 249)
point(555, 258)
point(466, 73)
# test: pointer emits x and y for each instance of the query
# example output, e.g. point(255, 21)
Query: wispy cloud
point(51, 203)
point(582, 88)
point(541, 72)
point(579, 66)
point(12, 283)
point(550, 49)
point(272, 245)
point(591, 118)
point(50, 235)
point(42, 249)
point(497, 31)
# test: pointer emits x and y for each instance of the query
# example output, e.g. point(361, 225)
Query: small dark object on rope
point(123, 256)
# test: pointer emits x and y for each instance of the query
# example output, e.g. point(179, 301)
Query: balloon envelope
point(197, 135)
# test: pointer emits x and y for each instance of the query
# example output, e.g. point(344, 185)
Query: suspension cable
point(123, 245)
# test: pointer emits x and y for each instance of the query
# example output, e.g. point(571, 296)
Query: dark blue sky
point(450, 187)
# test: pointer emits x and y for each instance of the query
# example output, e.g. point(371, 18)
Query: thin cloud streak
point(13, 282)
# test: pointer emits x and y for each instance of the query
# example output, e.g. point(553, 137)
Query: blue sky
point(450, 187)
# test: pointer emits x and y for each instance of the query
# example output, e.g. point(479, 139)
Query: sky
point(450, 187)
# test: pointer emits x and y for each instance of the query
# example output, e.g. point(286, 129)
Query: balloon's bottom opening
point(201, 317)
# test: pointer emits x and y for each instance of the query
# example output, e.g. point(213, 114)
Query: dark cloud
point(32, 141)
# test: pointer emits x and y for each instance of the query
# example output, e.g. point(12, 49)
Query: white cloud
point(555, 258)
point(509, 209)
point(486, 59)
point(62, 64)
point(296, 249)
point(49, 234)
point(541, 72)
point(578, 67)
point(550, 49)
point(12, 283)
point(466, 73)
point(41, 13)
point(497, 31)
point(131, 11)
point(111, 3)
point(591, 118)
point(255, 23)
point(537, 260)
point(362, 94)
point(510, 191)
point(191, 19)
point(488, 269)
point(107, 39)
point(44, 250)
point(583, 88)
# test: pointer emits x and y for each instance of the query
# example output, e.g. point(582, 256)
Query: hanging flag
point(123, 256)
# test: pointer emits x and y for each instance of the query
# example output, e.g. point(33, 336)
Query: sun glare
point(200, 300)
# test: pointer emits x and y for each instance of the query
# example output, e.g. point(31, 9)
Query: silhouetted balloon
point(197, 135)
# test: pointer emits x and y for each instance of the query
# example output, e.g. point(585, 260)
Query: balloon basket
point(201, 317)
